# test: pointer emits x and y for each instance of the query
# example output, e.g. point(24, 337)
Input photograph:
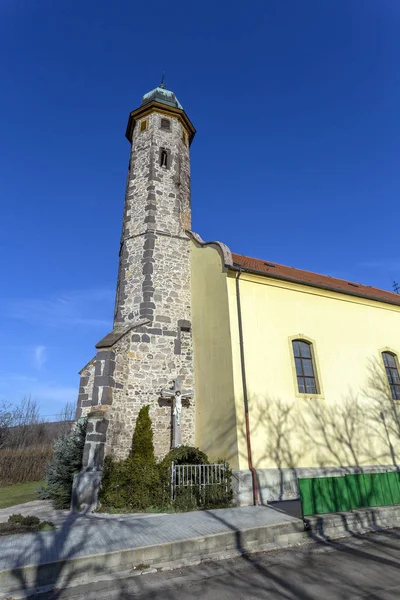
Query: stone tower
point(150, 345)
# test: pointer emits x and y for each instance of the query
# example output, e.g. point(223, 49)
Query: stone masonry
point(151, 342)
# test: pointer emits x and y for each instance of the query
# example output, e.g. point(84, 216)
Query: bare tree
point(6, 420)
point(26, 429)
point(66, 418)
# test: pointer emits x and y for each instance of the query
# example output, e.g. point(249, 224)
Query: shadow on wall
point(360, 429)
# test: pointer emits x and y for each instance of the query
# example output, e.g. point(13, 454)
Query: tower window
point(305, 372)
point(164, 158)
point(185, 138)
point(166, 124)
point(143, 125)
point(392, 373)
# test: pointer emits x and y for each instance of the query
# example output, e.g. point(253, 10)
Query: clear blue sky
point(296, 157)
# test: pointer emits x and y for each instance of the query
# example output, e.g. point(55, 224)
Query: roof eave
point(149, 107)
point(332, 288)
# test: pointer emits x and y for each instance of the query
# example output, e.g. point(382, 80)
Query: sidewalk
point(85, 546)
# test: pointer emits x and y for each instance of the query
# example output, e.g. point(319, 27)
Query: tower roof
point(163, 101)
point(162, 95)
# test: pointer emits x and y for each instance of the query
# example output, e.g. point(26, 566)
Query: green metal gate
point(339, 494)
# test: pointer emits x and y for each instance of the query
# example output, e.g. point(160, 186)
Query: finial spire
point(162, 84)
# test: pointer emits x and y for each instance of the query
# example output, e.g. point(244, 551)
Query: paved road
point(367, 567)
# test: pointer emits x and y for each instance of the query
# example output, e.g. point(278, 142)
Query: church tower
point(150, 345)
point(153, 270)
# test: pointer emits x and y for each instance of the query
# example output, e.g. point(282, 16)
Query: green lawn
point(18, 493)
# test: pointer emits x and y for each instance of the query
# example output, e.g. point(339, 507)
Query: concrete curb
point(357, 522)
point(26, 579)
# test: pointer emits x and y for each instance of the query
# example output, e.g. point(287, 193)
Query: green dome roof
point(160, 94)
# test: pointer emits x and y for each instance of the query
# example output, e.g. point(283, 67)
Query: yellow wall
point(215, 407)
point(343, 425)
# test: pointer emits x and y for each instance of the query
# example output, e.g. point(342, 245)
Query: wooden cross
point(178, 394)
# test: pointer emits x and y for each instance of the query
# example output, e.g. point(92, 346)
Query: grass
point(18, 493)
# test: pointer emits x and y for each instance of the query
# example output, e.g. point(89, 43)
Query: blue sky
point(296, 157)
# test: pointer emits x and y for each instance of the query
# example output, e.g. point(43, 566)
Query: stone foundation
point(281, 484)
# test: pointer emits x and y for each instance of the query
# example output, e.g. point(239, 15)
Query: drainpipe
point(245, 397)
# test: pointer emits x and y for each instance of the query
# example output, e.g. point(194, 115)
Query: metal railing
point(198, 477)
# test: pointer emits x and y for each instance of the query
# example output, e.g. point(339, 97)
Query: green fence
point(338, 494)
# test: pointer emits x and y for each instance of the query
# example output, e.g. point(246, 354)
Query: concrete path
point(38, 508)
point(82, 535)
point(90, 546)
point(361, 568)
point(44, 510)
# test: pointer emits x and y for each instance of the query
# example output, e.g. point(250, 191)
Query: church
point(283, 372)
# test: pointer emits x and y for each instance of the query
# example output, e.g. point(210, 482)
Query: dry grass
point(19, 466)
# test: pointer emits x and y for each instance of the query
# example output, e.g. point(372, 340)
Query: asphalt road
point(357, 568)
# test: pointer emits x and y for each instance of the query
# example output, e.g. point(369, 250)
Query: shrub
point(138, 483)
point(21, 524)
point(67, 461)
point(213, 495)
point(133, 483)
point(130, 484)
point(142, 439)
point(184, 455)
point(19, 519)
point(26, 464)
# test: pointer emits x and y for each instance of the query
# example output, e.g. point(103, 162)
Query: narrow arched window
point(164, 158)
point(392, 373)
point(305, 370)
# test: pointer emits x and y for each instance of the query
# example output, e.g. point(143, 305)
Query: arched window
point(305, 371)
point(392, 372)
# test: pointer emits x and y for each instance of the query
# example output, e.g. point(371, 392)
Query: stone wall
point(157, 206)
point(153, 285)
point(84, 403)
point(147, 362)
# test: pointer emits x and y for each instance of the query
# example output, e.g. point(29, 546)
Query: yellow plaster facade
point(352, 421)
point(215, 411)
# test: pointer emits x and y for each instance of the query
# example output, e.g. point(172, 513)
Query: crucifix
point(178, 394)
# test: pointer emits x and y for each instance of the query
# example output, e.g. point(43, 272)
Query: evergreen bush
point(142, 439)
point(66, 461)
point(129, 485)
point(134, 483)
point(139, 483)
point(184, 455)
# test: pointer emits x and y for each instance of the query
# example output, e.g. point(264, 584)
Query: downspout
point(245, 397)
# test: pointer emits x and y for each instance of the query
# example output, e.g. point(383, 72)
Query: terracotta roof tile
point(314, 279)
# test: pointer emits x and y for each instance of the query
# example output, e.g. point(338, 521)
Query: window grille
point(392, 373)
point(305, 372)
